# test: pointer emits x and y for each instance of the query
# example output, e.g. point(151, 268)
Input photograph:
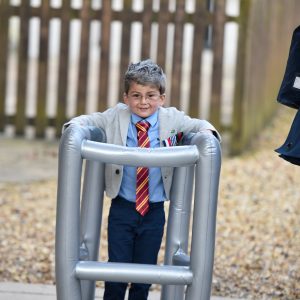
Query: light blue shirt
point(128, 184)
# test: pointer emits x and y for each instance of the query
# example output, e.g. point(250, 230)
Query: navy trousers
point(133, 238)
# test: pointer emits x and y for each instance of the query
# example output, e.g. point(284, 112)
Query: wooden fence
point(41, 90)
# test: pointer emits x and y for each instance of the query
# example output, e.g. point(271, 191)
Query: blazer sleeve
point(98, 119)
point(94, 119)
point(174, 120)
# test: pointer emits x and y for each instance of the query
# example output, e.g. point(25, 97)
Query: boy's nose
point(143, 99)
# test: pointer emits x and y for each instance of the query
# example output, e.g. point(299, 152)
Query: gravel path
point(258, 225)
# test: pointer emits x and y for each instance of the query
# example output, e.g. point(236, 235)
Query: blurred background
point(224, 61)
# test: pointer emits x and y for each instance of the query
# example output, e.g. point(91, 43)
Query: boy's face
point(143, 100)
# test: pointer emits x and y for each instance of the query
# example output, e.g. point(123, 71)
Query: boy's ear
point(125, 98)
point(162, 99)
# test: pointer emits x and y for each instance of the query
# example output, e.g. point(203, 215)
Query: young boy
point(136, 218)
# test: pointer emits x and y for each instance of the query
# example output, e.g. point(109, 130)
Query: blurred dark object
point(289, 93)
point(290, 150)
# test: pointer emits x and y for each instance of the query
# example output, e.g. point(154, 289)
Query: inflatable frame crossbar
point(80, 205)
point(143, 157)
point(140, 273)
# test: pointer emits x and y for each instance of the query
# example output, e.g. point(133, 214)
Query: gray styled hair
point(145, 72)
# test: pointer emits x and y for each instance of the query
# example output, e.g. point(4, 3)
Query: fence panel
point(186, 38)
point(72, 79)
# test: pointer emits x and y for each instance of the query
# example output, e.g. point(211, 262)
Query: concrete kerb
point(23, 291)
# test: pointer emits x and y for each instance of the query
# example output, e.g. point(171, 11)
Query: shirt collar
point(151, 119)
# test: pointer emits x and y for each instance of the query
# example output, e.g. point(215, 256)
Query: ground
point(258, 221)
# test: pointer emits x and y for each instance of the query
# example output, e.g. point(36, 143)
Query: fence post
point(174, 94)
point(22, 67)
point(198, 43)
point(105, 55)
point(83, 59)
point(125, 43)
point(237, 131)
point(4, 8)
point(41, 116)
point(63, 67)
point(217, 76)
point(162, 33)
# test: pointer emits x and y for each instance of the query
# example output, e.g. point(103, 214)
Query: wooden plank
point(197, 49)
point(177, 55)
point(41, 117)
point(237, 129)
point(146, 38)
point(105, 55)
point(63, 66)
point(22, 67)
point(162, 33)
point(83, 59)
point(125, 44)
point(4, 18)
point(217, 73)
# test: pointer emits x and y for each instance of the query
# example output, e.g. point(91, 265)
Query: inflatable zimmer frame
point(79, 215)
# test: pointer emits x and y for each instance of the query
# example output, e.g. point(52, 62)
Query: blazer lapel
point(166, 128)
point(124, 119)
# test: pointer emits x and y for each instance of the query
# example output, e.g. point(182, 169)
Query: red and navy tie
point(142, 175)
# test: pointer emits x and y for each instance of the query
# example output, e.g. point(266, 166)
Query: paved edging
point(23, 291)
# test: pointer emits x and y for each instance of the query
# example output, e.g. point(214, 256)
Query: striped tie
point(142, 175)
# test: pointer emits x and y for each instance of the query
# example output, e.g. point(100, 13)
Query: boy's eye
point(151, 97)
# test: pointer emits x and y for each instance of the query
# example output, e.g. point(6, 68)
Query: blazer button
point(117, 171)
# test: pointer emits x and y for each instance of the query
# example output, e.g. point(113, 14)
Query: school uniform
point(134, 238)
point(115, 123)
